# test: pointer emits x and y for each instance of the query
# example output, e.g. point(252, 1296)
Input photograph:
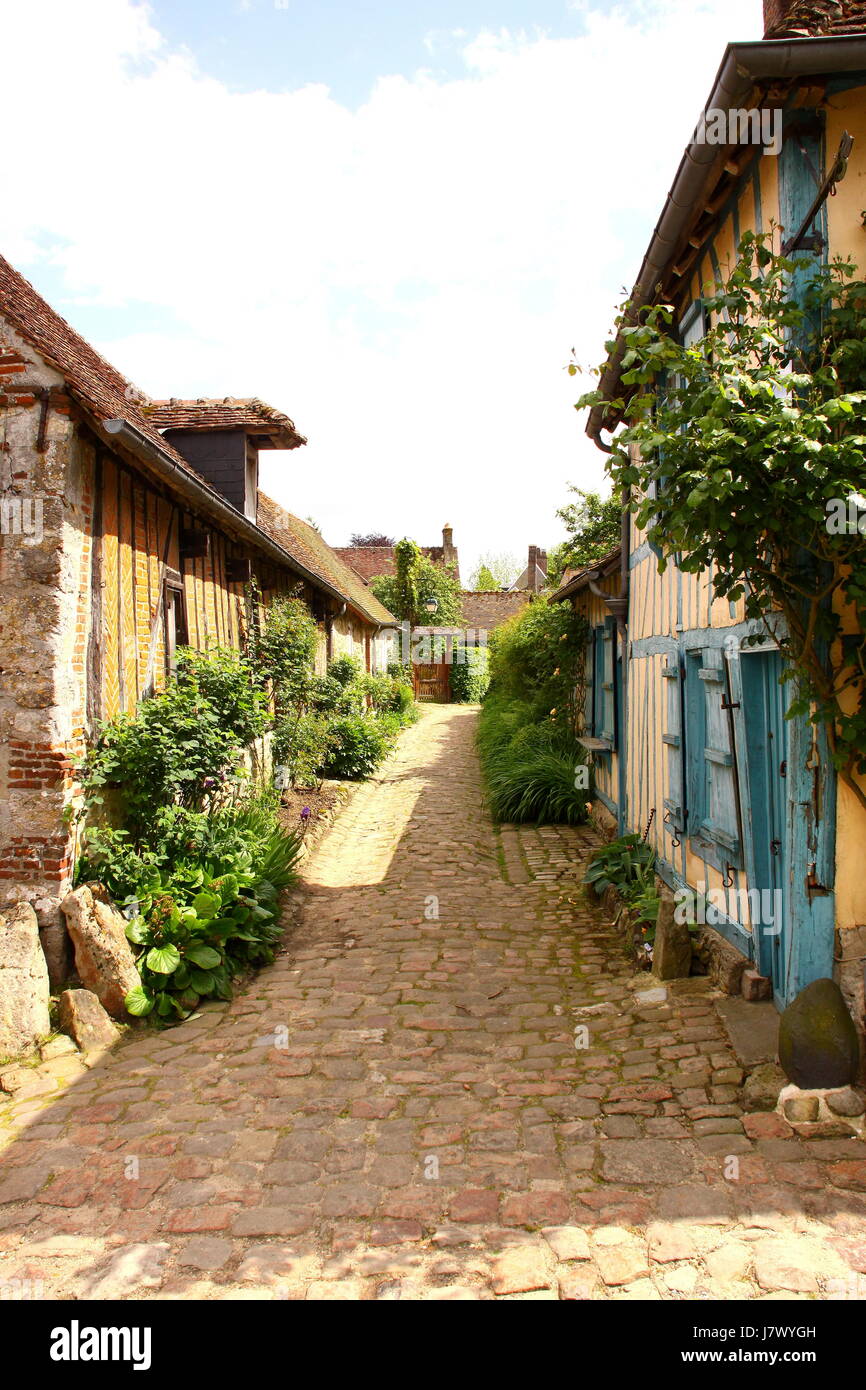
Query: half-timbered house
point(129, 527)
point(685, 720)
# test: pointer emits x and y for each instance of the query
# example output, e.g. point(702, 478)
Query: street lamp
point(431, 604)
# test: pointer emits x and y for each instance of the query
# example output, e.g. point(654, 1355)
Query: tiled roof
point(574, 580)
point(253, 416)
point(815, 19)
point(372, 560)
point(367, 560)
point(304, 542)
point(97, 384)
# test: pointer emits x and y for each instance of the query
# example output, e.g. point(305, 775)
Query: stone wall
point(44, 563)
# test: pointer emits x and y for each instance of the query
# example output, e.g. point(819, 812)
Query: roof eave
point(602, 569)
point(742, 66)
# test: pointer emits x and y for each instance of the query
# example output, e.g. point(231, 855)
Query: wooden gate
point(432, 682)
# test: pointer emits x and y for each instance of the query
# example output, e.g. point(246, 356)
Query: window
point(602, 689)
point(174, 609)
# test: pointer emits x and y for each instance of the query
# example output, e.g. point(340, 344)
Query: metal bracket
point(838, 170)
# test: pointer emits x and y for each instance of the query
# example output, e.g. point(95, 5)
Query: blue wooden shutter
point(720, 810)
point(597, 680)
point(801, 165)
point(675, 801)
point(589, 679)
point(608, 684)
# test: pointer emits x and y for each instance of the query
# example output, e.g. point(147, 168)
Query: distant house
point(369, 561)
point(534, 577)
point(486, 609)
point(129, 527)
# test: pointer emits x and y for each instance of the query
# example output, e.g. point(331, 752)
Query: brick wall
point(487, 609)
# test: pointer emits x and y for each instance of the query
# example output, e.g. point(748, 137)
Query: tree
point(483, 581)
point(417, 580)
point(752, 468)
point(495, 570)
point(373, 538)
point(593, 523)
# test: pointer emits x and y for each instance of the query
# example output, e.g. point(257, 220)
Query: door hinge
point(813, 887)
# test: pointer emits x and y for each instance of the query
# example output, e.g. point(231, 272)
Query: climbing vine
point(417, 580)
point(744, 454)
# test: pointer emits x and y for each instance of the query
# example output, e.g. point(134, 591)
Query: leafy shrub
point(229, 683)
point(284, 650)
point(173, 749)
point(389, 696)
point(628, 865)
point(203, 896)
point(470, 675)
point(618, 865)
point(301, 745)
point(359, 743)
point(345, 669)
point(539, 656)
point(324, 694)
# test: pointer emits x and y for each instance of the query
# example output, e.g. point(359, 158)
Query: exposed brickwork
point(486, 609)
point(398, 1108)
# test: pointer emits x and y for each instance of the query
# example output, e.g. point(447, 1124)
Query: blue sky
point(281, 44)
point(392, 220)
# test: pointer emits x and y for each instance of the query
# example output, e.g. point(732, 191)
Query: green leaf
point(163, 960)
point(205, 956)
point(206, 905)
point(202, 981)
point(138, 1002)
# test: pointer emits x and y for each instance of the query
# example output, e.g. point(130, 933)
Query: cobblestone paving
point(397, 1108)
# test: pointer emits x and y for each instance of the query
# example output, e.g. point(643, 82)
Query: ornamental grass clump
point(534, 768)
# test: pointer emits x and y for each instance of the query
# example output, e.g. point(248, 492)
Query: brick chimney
point(449, 555)
point(532, 570)
point(802, 19)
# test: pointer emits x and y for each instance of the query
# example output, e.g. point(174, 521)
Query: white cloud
point(406, 279)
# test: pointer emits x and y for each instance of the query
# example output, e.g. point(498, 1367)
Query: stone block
point(103, 956)
point(24, 989)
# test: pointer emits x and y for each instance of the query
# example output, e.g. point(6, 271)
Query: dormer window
point(221, 441)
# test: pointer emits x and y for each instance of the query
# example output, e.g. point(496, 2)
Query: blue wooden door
point(766, 732)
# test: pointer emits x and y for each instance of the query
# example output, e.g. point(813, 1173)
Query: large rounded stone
point(818, 1045)
point(103, 956)
point(24, 1016)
